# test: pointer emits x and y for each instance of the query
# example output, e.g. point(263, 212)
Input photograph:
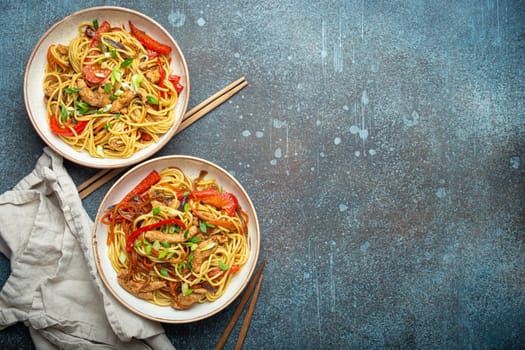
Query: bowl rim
point(111, 162)
point(255, 247)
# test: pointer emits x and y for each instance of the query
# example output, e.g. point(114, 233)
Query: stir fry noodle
point(176, 241)
point(110, 91)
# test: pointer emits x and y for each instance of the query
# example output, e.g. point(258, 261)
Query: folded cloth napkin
point(54, 287)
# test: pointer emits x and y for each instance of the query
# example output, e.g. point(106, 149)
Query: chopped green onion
point(203, 226)
point(95, 24)
point(186, 233)
point(194, 239)
point(148, 249)
point(162, 254)
point(186, 207)
point(71, 90)
point(192, 246)
point(152, 100)
point(135, 82)
point(156, 211)
point(138, 243)
point(170, 254)
point(107, 88)
point(117, 115)
point(127, 63)
point(223, 266)
point(83, 107)
point(186, 194)
point(180, 267)
point(166, 244)
point(186, 290)
point(156, 245)
point(164, 272)
point(190, 257)
point(100, 150)
point(172, 229)
point(105, 109)
point(101, 47)
point(107, 126)
point(209, 246)
point(113, 97)
point(64, 114)
point(113, 53)
point(116, 75)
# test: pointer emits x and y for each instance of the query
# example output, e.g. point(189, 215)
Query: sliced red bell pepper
point(131, 239)
point(175, 80)
point(147, 41)
point(222, 200)
point(151, 179)
point(66, 131)
point(94, 73)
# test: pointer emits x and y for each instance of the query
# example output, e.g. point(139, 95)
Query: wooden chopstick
point(212, 102)
point(256, 280)
point(248, 317)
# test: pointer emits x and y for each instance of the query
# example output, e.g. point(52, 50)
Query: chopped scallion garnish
point(126, 63)
point(223, 266)
point(64, 114)
point(71, 90)
point(152, 100)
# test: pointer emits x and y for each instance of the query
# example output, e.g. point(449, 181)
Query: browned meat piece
point(182, 302)
point(155, 235)
point(143, 95)
point(203, 251)
point(153, 75)
point(140, 289)
point(122, 102)
point(95, 99)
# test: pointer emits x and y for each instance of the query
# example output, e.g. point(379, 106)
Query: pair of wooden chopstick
point(197, 112)
point(255, 283)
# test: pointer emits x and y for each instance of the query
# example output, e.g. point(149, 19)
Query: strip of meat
point(142, 290)
point(160, 236)
point(203, 251)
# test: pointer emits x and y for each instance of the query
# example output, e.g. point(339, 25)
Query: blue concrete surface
point(382, 142)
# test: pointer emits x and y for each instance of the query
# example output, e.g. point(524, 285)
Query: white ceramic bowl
point(191, 166)
point(62, 32)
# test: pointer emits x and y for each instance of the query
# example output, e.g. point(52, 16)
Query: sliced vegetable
point(151, 179)
point(147, 41)
point(126, 63)
point(68, 129)
point(93, 72)
point(152, 100)
point(131, 239)
point(222, 200)
point(175, 80)
point(71, 90)
point(186, 290)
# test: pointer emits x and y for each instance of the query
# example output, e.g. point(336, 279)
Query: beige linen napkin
point(54, 287)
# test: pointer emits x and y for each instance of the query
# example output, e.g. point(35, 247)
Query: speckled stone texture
point(382, 142)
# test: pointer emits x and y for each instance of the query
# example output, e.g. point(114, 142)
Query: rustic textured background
point(382, 142)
